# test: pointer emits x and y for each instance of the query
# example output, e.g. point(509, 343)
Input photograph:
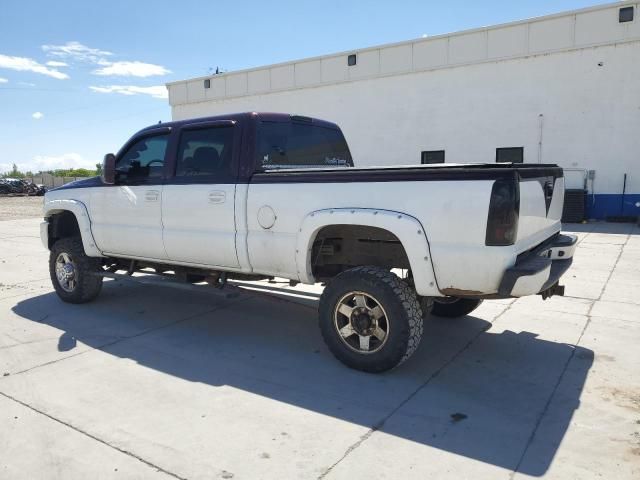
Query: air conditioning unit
point(574, 205)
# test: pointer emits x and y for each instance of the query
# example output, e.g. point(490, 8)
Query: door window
point(143, 161)
point(206, 153)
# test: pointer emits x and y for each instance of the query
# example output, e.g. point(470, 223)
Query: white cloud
point(24, 64)
point(78, 52)
point(26, 84)
point(131, 69)
point(66, 160)
point(37, 115)
point(158, 91)
point(3, 80)
point(51, 162)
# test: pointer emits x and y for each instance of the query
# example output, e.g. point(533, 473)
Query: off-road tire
point(457, 308)
point(88, 285)
point(403, 314)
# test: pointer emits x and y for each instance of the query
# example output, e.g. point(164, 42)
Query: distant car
point(21, 186)
point(12, 185)
point(29, 188)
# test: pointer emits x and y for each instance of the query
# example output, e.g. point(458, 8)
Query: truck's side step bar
point(227, 291)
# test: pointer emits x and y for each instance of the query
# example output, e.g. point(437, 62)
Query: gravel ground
point(14, 208)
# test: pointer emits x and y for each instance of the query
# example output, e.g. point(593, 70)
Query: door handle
point(217, 196)
point(151, 195)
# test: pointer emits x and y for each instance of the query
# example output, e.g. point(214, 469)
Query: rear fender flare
point(81, 213)
point(408, 229)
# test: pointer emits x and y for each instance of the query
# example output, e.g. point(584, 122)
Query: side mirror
point(109, 169)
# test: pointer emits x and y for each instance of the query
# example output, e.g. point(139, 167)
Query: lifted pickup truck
point(261, 195)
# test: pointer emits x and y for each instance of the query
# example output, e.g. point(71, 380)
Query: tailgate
point(541, 201)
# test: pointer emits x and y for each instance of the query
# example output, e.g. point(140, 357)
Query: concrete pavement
point(163, 383)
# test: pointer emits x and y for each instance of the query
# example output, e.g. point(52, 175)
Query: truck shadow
point(468, 390)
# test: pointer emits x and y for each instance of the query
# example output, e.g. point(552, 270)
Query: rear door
point(198, 202)
point(284, 143)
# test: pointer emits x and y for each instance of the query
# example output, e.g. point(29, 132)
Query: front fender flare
point(408, 229)
point(81, 213)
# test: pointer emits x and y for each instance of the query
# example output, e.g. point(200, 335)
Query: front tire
point(452, 308)
point(73, 272)
point(370, 319)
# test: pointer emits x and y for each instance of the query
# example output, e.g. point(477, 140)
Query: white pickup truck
point(261, 195)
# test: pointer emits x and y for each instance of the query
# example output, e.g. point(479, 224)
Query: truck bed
point(444, 171)
point(453, 216)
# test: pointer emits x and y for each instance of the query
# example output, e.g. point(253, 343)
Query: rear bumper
point(539, 270)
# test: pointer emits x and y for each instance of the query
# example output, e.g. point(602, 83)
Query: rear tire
point(370, 319)
point(72, 271)
point(456, 308)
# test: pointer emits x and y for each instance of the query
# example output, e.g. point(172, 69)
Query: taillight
point(502, 223)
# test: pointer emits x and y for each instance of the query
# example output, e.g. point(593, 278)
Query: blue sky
point(77, 78)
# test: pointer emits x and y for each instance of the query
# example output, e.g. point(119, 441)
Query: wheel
point(454, 307)
point(370, 319)
point(71, 271)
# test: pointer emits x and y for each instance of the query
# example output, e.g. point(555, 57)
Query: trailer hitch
point(555, 289)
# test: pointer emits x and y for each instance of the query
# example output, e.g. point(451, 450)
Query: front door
point(126, 217)
point(198, 211)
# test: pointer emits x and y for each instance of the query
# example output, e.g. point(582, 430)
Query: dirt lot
point(14, 208)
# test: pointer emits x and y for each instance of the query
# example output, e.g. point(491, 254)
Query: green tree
point(83, 172)
point(73, 172)
point(15, 173)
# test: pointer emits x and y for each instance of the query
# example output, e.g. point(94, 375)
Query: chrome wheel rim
point(66, 272)
point(361, 322)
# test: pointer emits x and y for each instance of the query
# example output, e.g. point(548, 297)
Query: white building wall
point(572, 80)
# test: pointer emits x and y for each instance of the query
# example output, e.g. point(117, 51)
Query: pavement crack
point(547, 404)
point(545, 409)
point(94, 437)
point(381, 423)
point(101, 348)
point(30, 342)
point(615, 265)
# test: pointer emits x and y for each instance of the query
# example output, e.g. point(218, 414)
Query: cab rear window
point(300, 145)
